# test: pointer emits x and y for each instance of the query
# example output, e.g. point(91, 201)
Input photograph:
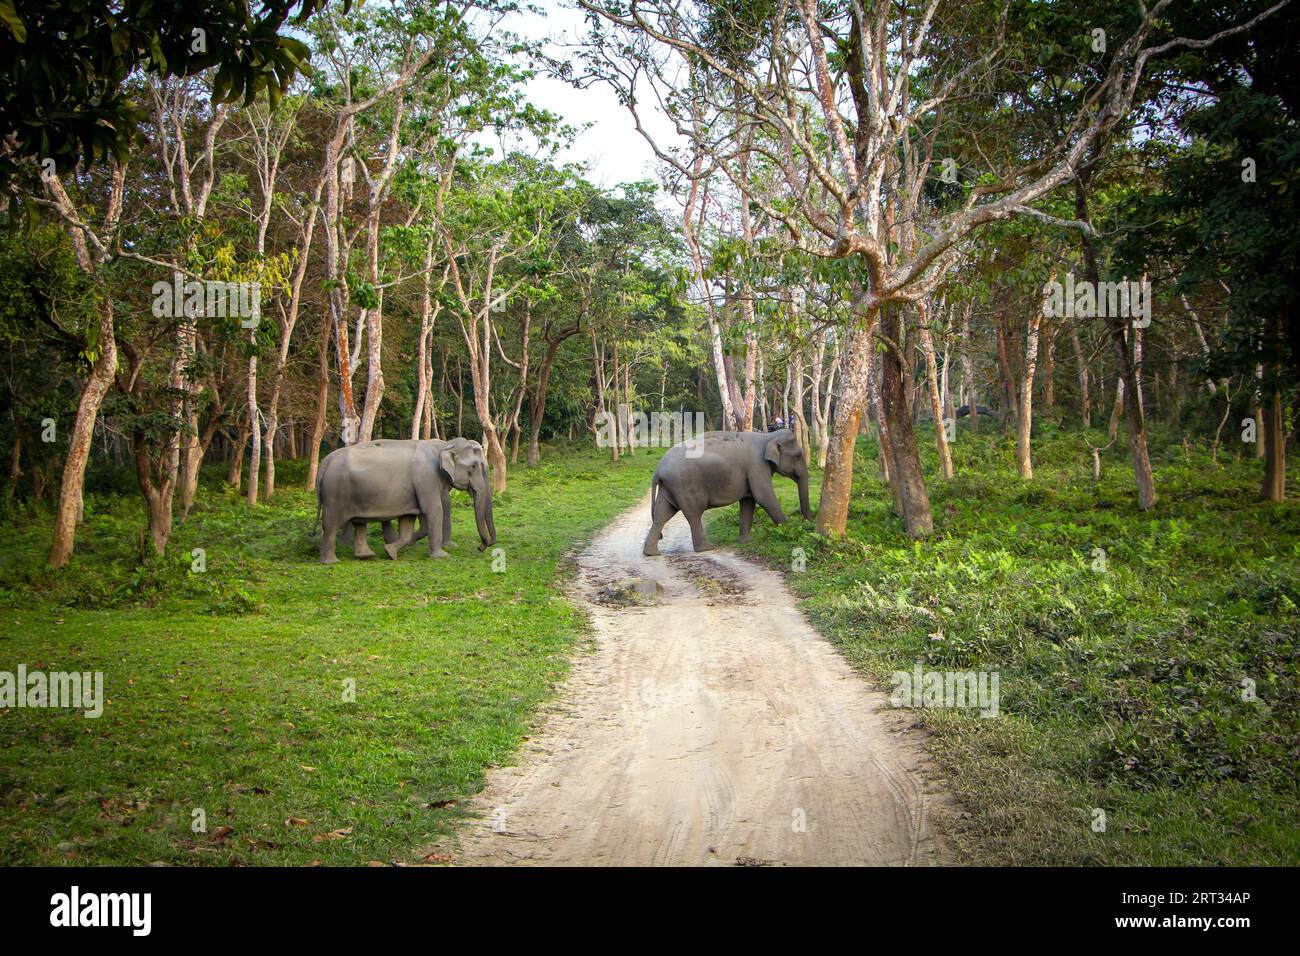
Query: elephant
point(716, 468)
point(389, 478)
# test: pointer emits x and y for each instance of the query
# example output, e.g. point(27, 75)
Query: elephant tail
point(654, 492)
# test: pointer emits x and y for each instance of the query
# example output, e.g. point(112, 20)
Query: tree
point(871, 78)
point(64, 95)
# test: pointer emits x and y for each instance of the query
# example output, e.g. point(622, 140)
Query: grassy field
point(1121, 680)
point(226, 688)
point(1121, 669)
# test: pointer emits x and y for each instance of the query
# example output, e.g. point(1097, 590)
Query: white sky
point(616, 152)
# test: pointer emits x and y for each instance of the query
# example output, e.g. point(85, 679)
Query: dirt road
point(711, 725)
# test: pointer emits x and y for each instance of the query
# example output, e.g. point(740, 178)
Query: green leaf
point(12, 20)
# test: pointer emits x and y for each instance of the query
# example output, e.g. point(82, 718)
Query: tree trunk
point(192, 450)
point(936, 400)
point(1025, 421)
point(837, 477)
point(255, 433)
point(967, 370)
point(1274, 429)
point(15, 465)
point(322, 398)
point(1137, 430)
point(1084, 404)
point(905, 461)
point(537, 407)
point(83, 432)
point(1116, 325)
point(496, 457)
point(234, 474)
point(1117, 409)
point(1004, 369)
point(882, 439)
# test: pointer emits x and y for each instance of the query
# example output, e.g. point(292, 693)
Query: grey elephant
point(719, 468)
point(393, 479)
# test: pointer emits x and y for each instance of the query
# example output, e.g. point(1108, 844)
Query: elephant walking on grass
point(719, 468)
point(393, 479)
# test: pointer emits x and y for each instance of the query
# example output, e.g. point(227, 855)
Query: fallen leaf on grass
point(332, 835)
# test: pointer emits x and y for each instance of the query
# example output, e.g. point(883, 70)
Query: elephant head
point(785, 454)
point(463, 463)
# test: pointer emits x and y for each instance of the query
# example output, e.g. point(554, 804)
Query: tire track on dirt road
point(711, 725)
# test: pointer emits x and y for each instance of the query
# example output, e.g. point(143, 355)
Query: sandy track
point(713, 726)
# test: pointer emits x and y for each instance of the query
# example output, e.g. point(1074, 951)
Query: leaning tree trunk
point(322, 399)
point(837, 477)
point(83, 432)
point(1137, 429)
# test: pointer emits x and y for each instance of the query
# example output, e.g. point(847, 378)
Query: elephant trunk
point(802, 478)
point(487, 531)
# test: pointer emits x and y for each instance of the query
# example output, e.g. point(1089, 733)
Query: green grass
point(226, 689)
point(1120, 689)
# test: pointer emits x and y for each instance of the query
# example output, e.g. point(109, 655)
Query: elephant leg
point(699, 540)
point(389, 534)
point(746, 517)
point(422, 533)
point(760, 487)
point(360, 545)
point(405, 525)
point(430, 501)
point(446, 517)
point(663, 513)
point(328, 534)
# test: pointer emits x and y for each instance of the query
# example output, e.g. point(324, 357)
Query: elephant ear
point(773, 453)
point(447, 461)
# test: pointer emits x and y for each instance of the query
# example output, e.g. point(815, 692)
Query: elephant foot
point(743, 538)
point(439, 554)
point(391, 550)
point(651, 551)
point(330, 560)
point(706, 546)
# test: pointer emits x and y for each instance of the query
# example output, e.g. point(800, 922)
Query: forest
point(1019, 276)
